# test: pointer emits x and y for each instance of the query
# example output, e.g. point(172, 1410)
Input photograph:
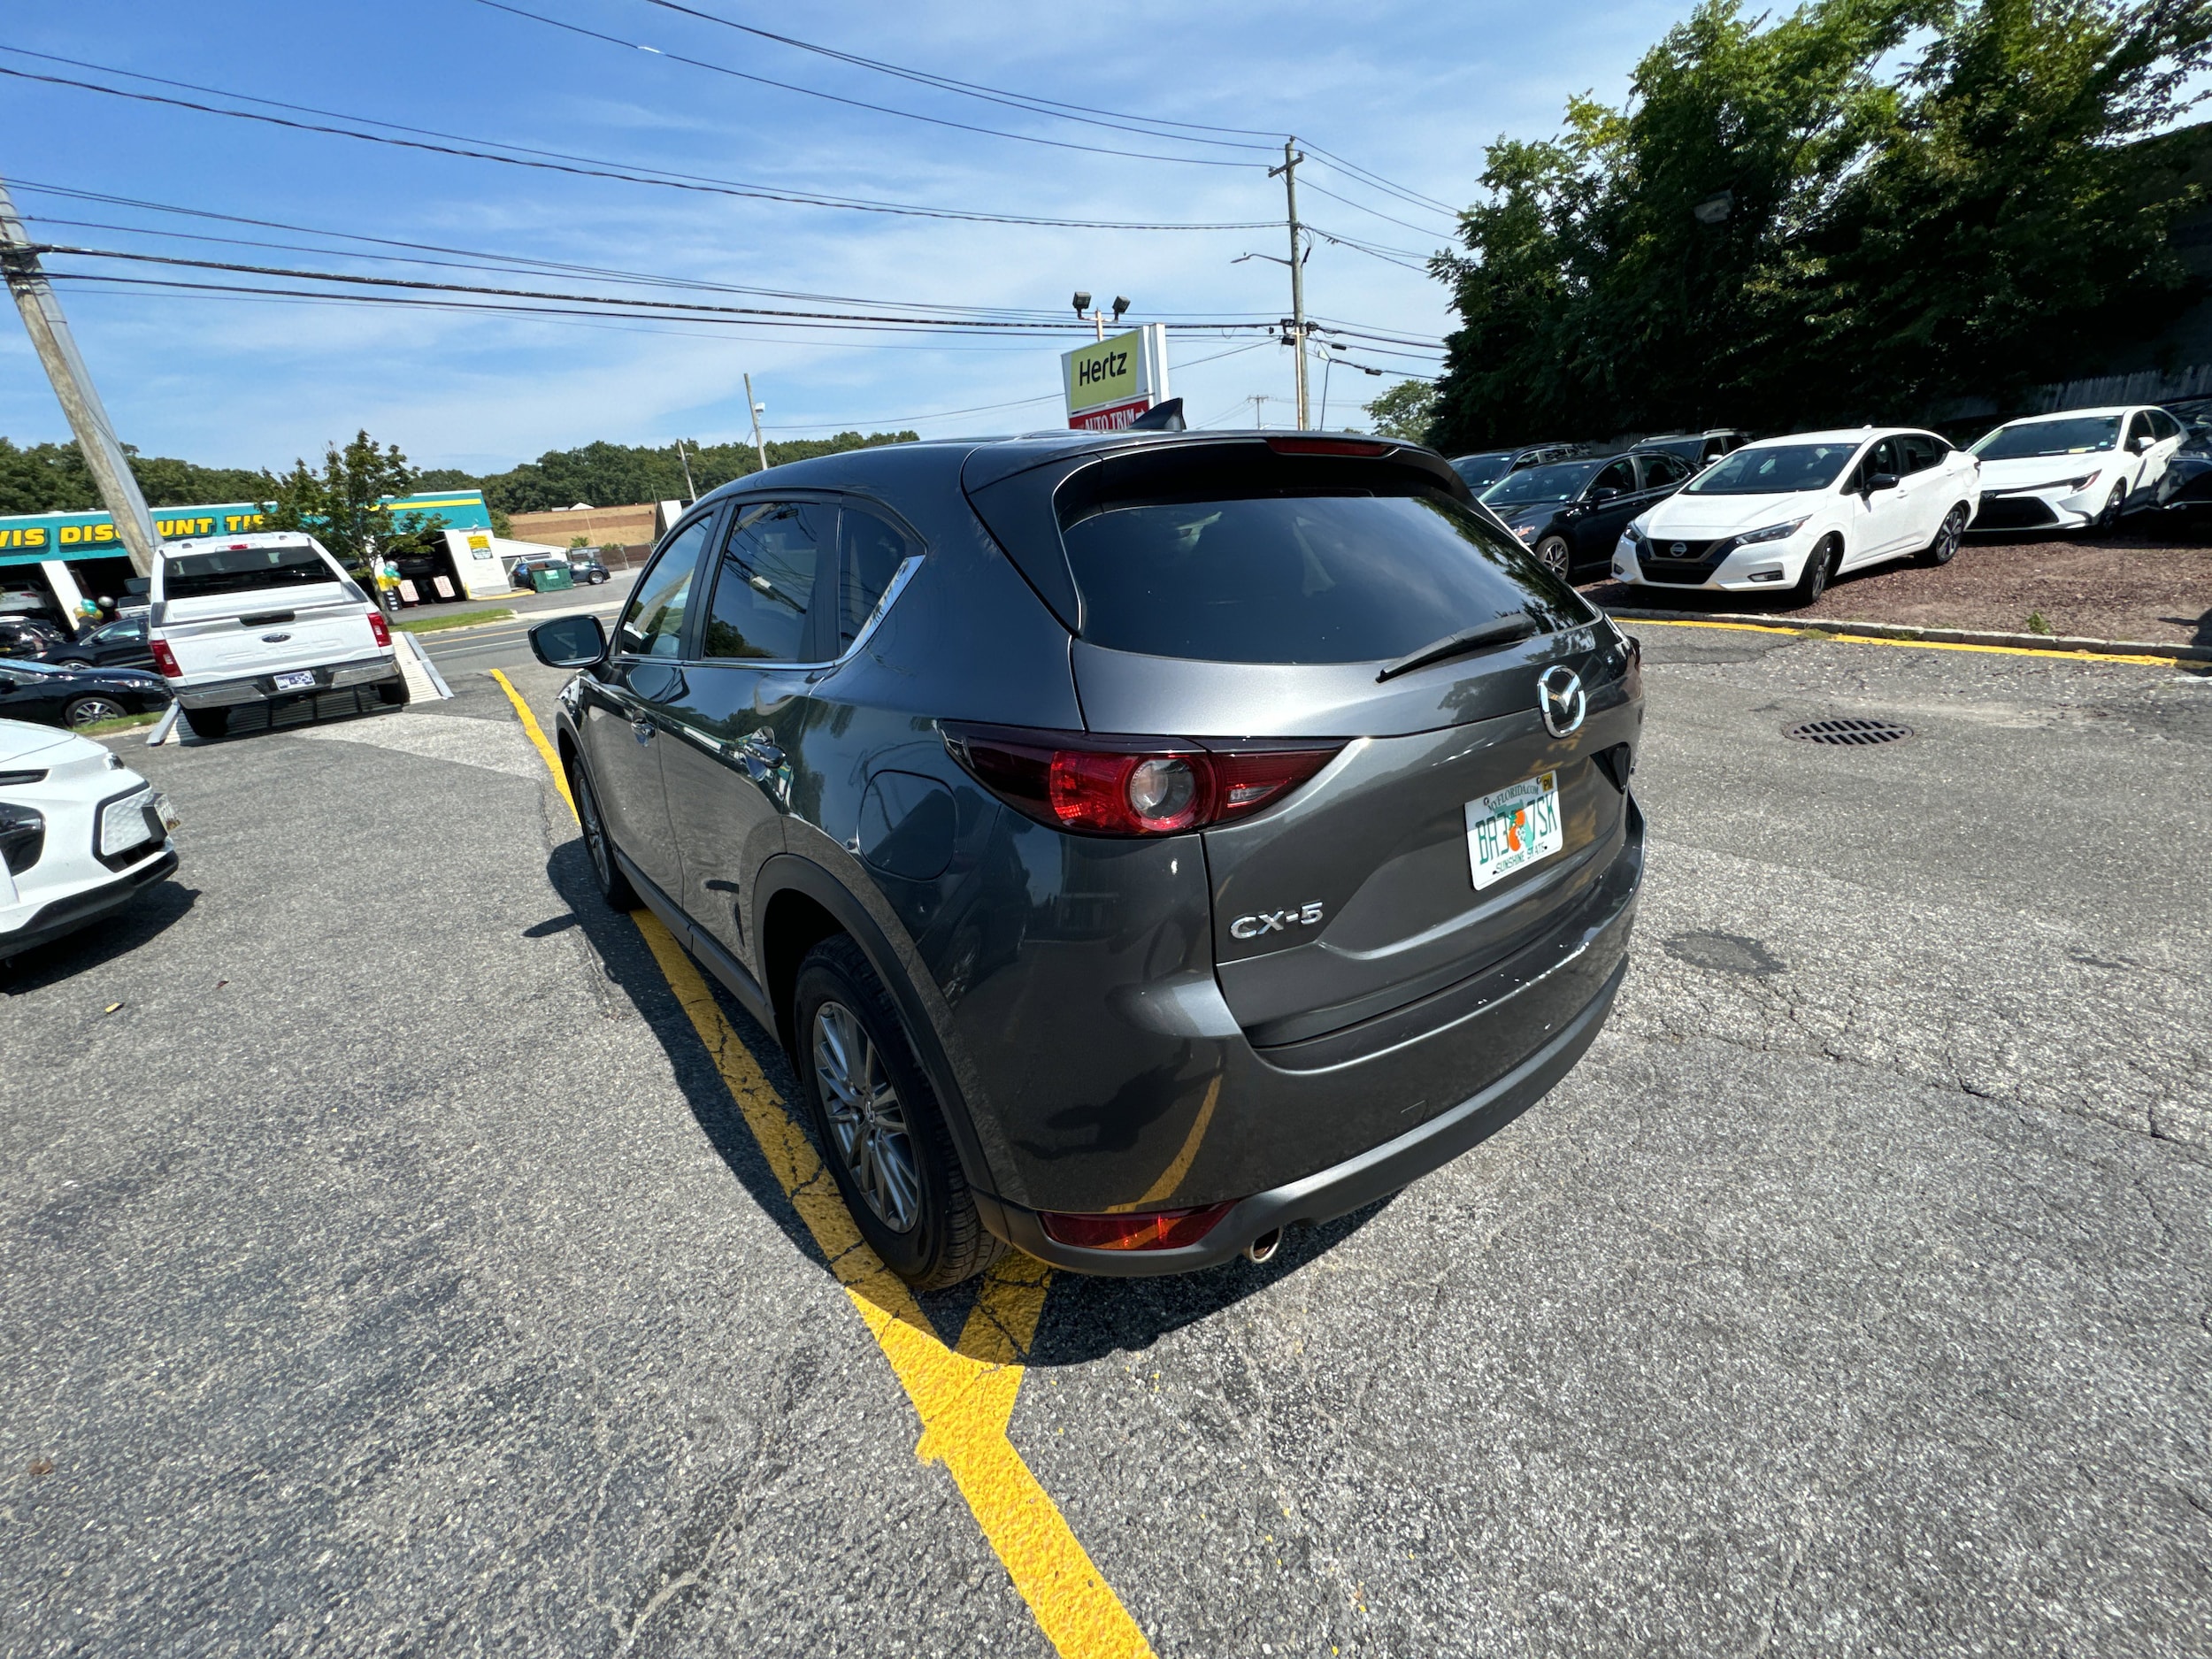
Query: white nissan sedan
point(1789, 514)
point(2074, 469)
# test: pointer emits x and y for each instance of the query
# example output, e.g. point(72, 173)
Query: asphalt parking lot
point(391, 1267)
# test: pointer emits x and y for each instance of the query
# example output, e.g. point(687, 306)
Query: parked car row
point(1719, 510)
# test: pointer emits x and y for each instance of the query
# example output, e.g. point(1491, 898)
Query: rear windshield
point(241, 570)
point(2083, 435)
point(1301, 578)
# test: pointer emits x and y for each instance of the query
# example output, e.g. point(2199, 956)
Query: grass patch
point(2036, 624)
point(452, 620)
point(129, 722)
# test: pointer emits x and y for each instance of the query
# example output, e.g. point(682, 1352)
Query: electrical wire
point(1389, 217)
point(556, 161)
point(856, 103)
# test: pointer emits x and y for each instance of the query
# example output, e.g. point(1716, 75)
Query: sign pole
point(49, 329)
point(753, 409)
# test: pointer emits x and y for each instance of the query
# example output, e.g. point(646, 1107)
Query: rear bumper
point(225, 694)
point(1345, 1186)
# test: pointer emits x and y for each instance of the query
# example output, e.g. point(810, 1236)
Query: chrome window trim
point(892, 590)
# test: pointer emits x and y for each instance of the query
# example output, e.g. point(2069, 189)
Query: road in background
point(387, 1267)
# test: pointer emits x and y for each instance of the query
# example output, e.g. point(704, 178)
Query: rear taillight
point(1150, 1230)
point(383, 634)
point(1132, 786)
point(166, 660)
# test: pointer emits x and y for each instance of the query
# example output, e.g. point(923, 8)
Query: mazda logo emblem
point(1560, 699)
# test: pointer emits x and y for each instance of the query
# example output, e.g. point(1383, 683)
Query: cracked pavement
point(391, 1273)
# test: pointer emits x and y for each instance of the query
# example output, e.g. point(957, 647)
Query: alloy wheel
point(594, 837)
point(865, 1118)
point(86, 710)
point(1552, 553)
point(1946, 541)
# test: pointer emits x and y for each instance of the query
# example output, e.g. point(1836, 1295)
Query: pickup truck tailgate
point(296, 627)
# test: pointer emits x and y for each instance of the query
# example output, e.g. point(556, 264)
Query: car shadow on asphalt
point(153, 911)
point(1085, 1318)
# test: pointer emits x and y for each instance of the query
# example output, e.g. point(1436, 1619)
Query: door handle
point(641, 729)
point(761, 755)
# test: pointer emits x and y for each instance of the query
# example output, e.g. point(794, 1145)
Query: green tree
point(1403, 412)
point(620, 474)
point(341, 506)
point(53, 478)
point(1844, 213)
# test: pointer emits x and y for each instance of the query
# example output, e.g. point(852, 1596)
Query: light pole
point(759, 448)
point(1098, 317)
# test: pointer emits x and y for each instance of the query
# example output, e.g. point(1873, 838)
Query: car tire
point(595, 581)
point(1945, 545)
point(2115, 504)
point(606, 870)
point(207, 722)
point(85, 710)
point(877, 1121)
point(392, 694)
point(1553, 554)
point(1820, 567)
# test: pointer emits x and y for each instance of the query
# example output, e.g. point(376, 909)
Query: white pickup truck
point(263, 618)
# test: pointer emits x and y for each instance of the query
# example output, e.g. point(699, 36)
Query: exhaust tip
point(1261, 1249)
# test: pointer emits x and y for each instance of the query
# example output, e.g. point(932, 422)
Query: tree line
point(1861, 209)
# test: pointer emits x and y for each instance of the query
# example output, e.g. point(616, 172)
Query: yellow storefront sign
point(1105, 372)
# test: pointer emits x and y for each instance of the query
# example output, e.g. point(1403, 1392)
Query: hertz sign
point(1111, 382)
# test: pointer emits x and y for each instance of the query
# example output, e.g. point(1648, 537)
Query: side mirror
point(2140, 442)
point(1880, 481)
point(569, 641)
point(1605, 492)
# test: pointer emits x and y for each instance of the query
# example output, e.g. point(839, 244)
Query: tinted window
point(2164, 424)
point(764, 582)
point(1537, 484)
point(1774, 469)
point(2140, 426)
point(241, 570)
point(2077, 435)
point(1663, 470)
point(1482, 471)
point(1300, 578)
point(869, 554)
point(1620, 476)
point(653, 624)
point(1919, 453)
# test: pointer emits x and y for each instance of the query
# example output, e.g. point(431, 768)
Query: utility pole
point(760, 448)
point(103, 455)
point(691, 490)
point(1289, 170)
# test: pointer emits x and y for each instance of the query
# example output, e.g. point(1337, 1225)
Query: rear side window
point(241, 570)
point(1920, 453)
point(1663, 470)
point(1289, 577)
point(869, 554)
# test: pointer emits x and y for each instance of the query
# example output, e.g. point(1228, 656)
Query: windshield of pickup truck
point(241, 570)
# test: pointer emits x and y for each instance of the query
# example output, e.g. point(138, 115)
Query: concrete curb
point(2057, 644)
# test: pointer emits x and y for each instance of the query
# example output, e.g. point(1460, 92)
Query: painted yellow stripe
point(964, 1395)
point(1917, 645)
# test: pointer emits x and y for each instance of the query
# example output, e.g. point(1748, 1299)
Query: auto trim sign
point(1109, 382)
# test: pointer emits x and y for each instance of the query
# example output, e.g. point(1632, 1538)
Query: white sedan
point(1789, 514)
point(2075, 469)
point(80, 835)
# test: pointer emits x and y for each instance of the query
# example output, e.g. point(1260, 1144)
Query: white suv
point(261, 619)
point(79, 835)
point(1788, 514)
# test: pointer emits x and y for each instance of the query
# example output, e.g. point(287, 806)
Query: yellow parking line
point(1917, 645)
point(964, 1395)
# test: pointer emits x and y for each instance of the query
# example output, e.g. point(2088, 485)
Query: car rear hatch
point(251, 610)
point(1286, 591)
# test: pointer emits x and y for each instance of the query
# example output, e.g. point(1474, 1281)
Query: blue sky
point(1409, 92)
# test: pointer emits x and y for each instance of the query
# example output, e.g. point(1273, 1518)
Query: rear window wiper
point(1503, 631)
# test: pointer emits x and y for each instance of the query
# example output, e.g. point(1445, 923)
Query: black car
point(28, 636)
point(1701, 450)
point(1570, 514)
point(118, 644)
point(64, 693)
point(1482, 470)
point(1141, 842)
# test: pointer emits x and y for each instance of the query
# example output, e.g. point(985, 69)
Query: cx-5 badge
point(1274, 921)
point(1560, 699)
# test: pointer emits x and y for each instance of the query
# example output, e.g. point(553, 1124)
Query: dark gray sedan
point(1141, 843)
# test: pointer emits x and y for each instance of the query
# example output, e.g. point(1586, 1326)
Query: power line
point(1377, 181)
point(556, 161)
point(1364, 208)
point(856, 103)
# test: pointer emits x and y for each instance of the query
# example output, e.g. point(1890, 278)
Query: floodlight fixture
point(1082, 302)
point(1121, 304)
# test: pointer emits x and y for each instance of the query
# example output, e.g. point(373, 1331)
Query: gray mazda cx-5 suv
point(1139, 842)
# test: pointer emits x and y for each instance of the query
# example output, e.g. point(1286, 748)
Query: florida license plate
point(1514, 828)
point(304, 680)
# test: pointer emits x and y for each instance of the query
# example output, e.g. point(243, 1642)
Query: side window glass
point(2162, 424)
point(2140, 427)
point(869, 554)
point(1917, 453)
point(1621, 476)
point(764, 582)
point(1663, 470)
point(1886, 459)
point(653, 624)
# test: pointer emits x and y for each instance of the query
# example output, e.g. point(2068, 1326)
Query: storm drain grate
point(1847, 731)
